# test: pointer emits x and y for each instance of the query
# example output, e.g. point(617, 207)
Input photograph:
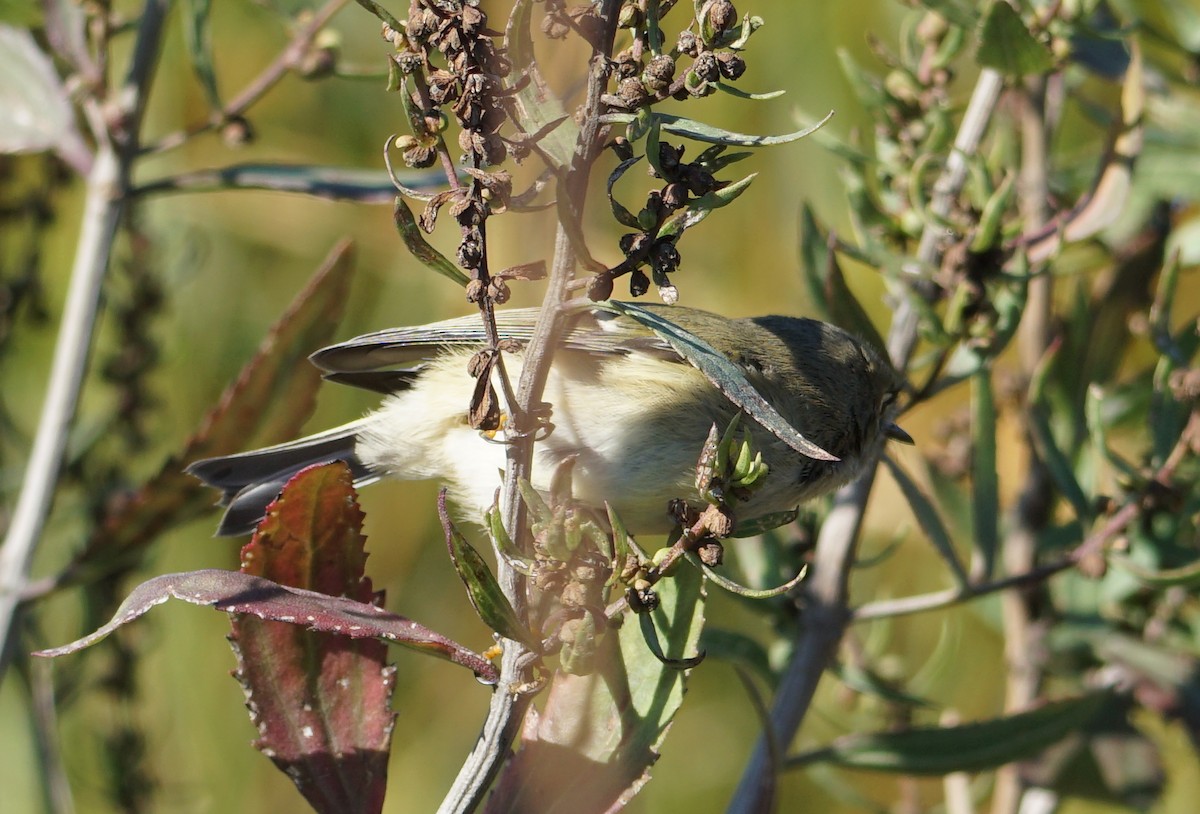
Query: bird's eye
point(888, 400)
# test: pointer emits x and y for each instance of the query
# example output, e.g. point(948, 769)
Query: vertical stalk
point(826, 607)
point(1033, 506)
point(104, 205)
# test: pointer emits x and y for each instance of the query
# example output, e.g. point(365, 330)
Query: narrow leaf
point(734, 90)
point(702, 207)
point(737, 648)
point(742, 590)
point(931, 522)
point(421, 248)
point(827, 284)
point(699, 131)
point(197, 36)
point(483, 590)
point(1187, 576)
point(330, 183)
point(724, 375)
point(985, 487)
point(966, 748)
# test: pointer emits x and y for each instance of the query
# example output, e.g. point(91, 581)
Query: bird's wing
point(403, 351)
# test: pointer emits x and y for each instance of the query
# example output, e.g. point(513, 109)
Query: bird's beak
point(896, 434)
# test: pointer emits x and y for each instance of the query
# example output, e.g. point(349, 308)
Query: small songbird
point(630, 410)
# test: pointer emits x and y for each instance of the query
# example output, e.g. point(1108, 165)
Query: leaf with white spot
point(35, 110)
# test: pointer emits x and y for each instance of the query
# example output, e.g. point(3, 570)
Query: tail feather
point(249, 481)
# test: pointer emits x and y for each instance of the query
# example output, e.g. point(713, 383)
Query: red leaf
point(279, 375)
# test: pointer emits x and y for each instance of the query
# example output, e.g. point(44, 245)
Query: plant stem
point(509, 702)
point(270, 76)
point(1018, 608)
point(826, 608)
point(104, 204)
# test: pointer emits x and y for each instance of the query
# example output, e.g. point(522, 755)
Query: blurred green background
point(231, 261)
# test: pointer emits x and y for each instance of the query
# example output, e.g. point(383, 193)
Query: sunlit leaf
point(483, 590)
point(699, 131)
point(597, 736)
point(723, 374)
point(36, 112)
point(700, 208)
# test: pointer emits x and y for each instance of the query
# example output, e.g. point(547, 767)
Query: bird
point(627, 408)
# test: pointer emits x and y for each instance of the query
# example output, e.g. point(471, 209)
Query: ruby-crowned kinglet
point(630, 410)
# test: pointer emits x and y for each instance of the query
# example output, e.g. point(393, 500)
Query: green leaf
point(931, 522)
point(1187, 576)
point(420, 248)
point(483, 590)
point(383, 14)
point(598, 735)
point(866, 681)
point(867, 88)
point(724, 375)
point(742, 590)
point(504, 545)
point(331, 183)
point(622, 215)
point(733, 90)
point(985, 487)
point(1007, 45)
point(827, 285)
point(537, 106)
point(700, 208)
point(699, 131)
point(958, 12)
point(763, 523)
point(738, 648)
point(966, 748)
point(197, 36)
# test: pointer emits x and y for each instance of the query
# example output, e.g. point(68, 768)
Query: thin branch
point(258, 87)
point(104, 206)
point(1082, 555)
point(888, 608)
point(826, 611)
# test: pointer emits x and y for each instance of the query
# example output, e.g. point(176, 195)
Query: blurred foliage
point(1053, 392)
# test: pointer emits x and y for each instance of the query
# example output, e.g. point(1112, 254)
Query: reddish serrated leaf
point(279, 375)
point(321, 702)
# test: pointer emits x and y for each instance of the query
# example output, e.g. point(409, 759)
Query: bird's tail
point(249, 481)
